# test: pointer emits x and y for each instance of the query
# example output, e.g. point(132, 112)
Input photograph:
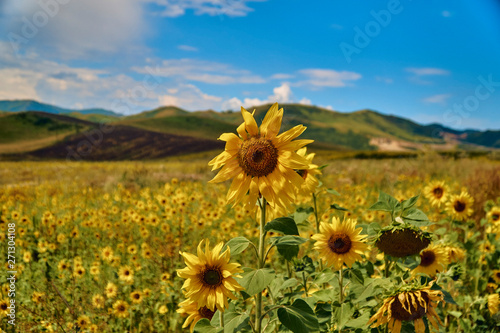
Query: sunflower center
point(3, 306)
point(212, 277)
point(121, 308)
point(258, 157)
point(206, 312)
point(438, 192)
point(398, 312)
point(339, 243)
point(459, 206)
point(427, 258)
point(495, 217)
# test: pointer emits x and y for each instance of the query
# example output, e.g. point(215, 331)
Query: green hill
point(31, 105)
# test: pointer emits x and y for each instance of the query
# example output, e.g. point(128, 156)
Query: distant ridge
point(32, 105)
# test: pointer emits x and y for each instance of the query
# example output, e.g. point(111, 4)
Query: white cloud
point(281, 94)
point(328, 77)
point(187, 48)
point(437, 99)
point(305, 101)
point(76, 29)
point(190, 97)
point(175, 8)
point(427, 71)
point(281, 76)
point(202, 71)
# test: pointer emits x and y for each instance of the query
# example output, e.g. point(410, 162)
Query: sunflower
point(163, 309)
point(136, 297)
point(120, 309)
point(125, 273)
point(194, 313)
point(402, 240)
point(83, 322)
point(4, 308)
point(98, 301)
point(455, 253)
point(436, 192)
point(496, 275)
point(210, 277)
point(493, 303)
point(410, 303)
point(460, 206)
point(494, 214)
point(309, 175)
point(340, 243)
point(433, 259)
point(261, 161)
point(111, 290)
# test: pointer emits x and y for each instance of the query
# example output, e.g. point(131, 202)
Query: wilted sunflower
point(120, 309)
point(433, 259)
point(494, 214)
point(209, 276)
point(261, 161)
point(436, 192)
point(460, 206)
point(402, 240)
point(493, 303)
point(410, 303)
point(309, 175)
point(339, 243)
point(194, 313)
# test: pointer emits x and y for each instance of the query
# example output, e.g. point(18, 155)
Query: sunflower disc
point(402, 243)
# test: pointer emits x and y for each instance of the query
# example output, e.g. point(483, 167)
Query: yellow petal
point(250, 123)
point(272, 122)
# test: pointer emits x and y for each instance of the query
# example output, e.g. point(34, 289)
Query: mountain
point(169, 130)
point(31, 105)
point(359, 130)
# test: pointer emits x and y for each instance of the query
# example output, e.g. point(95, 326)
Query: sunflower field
point(273, 239)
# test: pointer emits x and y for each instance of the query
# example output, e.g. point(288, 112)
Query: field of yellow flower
point(303, 243)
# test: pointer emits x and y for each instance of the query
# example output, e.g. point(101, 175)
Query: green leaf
point(299, 317)
point(337, 207)
point(393, 203)
point(344, 314)
point(203, 326)
point(285, 225)
point(234, 322)
point(322, 167)
point(292, 282)
point(360, 322)
point(288, 246)
point(456, 314)
point(256, 280)
point(409, 202)
point(301, 214)
point(384, 206)
point(414, 214)
point(332, 191)
point(236, 245)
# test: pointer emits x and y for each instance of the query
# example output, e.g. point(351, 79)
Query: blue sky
point(430, 61)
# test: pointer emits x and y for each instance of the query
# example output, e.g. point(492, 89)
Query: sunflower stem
point(221, 318)
point(317, 227)
point(341, 285)
point(261, 262)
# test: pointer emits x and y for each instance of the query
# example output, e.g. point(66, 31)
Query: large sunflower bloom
point(340, 243)
point(309, 175)
point(210, 277)
point(436, 192)
point(493, 303)
point(460, 206)
point(261, 161)
point(194, 313)
point(411, 305)
point(433, 259)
